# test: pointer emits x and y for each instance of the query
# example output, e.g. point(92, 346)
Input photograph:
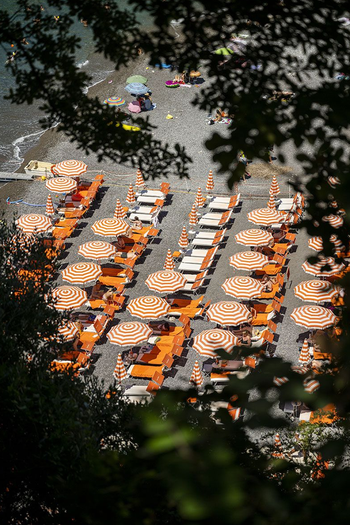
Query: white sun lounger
point(143, 217)
point(202, 253)
point(137, 394)
point(148, 199)
point(151, 193)
point(197, 277)
point(230, 203)
point(213, 223)
point(192, 287)
point(145, 209)
point(204, 234)
point(196, 267)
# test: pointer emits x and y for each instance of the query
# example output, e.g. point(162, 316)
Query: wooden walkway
point(4, 176)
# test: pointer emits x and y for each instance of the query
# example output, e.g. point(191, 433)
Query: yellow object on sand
point(43, 177)
point(129, 128)
point(169, 116)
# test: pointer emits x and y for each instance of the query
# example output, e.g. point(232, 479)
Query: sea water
point(19, 124)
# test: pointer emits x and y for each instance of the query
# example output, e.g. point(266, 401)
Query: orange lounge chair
point(156, 356)
point(95, 331)
point(144, 371)
point(116, 276)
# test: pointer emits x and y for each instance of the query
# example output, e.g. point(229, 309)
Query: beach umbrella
point(97, 250)
point(225, 51)
point(333, 181)
point(249, 260)
point(110, 227)
point(334, 220)
point(316, 243)
point(139, 179)
point(304, 356)
point(274, 188)
point(119, 211)
point(199, 202)
point(254, 237)
point(319, 270)
point(265, 216)
point(196, 376)
point(139, 79)
point(130, 198)
point(129, 333)
point(49, 210)
point(183, 241)
point(311, 385)
point(300, 369)
point(229, 313)
point(313, 317)
point(134, 107)
point(279, 381)
point(69, 168)
point(207, 342)
point(119, 371)
point(315, 290)
point(136, 88)
point(33, 223)
point(61, 185)
point(148, 307)
point(115, 101)
point(210, 182)
point(68, 297)
point(81, 273)
point(278, 452)
point(271, 202)
point(68, 330)
point(169, 261)
point(243, 287)
point(165, 281)
point(193, 216)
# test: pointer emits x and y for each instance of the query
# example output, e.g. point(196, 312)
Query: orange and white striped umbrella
point(243, 287)
point(316, 290)
point(169, 261)
point(183, 241)
point(193, 215)
point(253, 237)
point(210, 182)
point(97, 250)
point(271, 202)
point(249, 260)
point(110, 227)
point(139, 179)
point(334, 220)
point(148, 307)
point(313, 317)
point(316, 243)
point(130, 198)
point(265, 216)
point(274, 188)
point(33, 223)
point(68, 297)
point(279, 381)
point(278, 452)
point(68, 330)
point(333, 181)
point(199, 202)
point(119, 212)
point(207, 342)
point(228, 313)
point(61, 185)
point(196, 376)
point(304, 356)
point(319, 270)
point(311, 385)
point(69, 168)
point(166, 281)
point(130, 333)
point(81, 273)
point(49, 210)
point(119, 371)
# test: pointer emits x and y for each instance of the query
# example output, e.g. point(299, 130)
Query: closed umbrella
point(196, 376)
point(319, 268)
point(315, 290)
point(254, 237)
point(61, 185)
point(115, 101)
point(82, 273)
point(69, 168)
point(274, 188)
point(49, 210)
point(139, 79)
point(119, 212)
point(166, 281)
point(265, 217)
point(97, 250)
point(193, 215)
point(313, 317)
point(119, 371)
point(169, 261)
point(183, 241)
point(130, 198)
point(210, 182)
point(130, 333)
point(243, 287)
point(136, 88)
point(271, 202)
point(304, 356)
point(209, 341)
point(139, 179)
point(33, 223)
point(110, 227)
point(249, 260)
point(68, 297)
point(229, 313)
point(148, 307)
point(199, 202)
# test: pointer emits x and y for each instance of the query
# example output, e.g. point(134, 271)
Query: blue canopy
point(136, 89)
